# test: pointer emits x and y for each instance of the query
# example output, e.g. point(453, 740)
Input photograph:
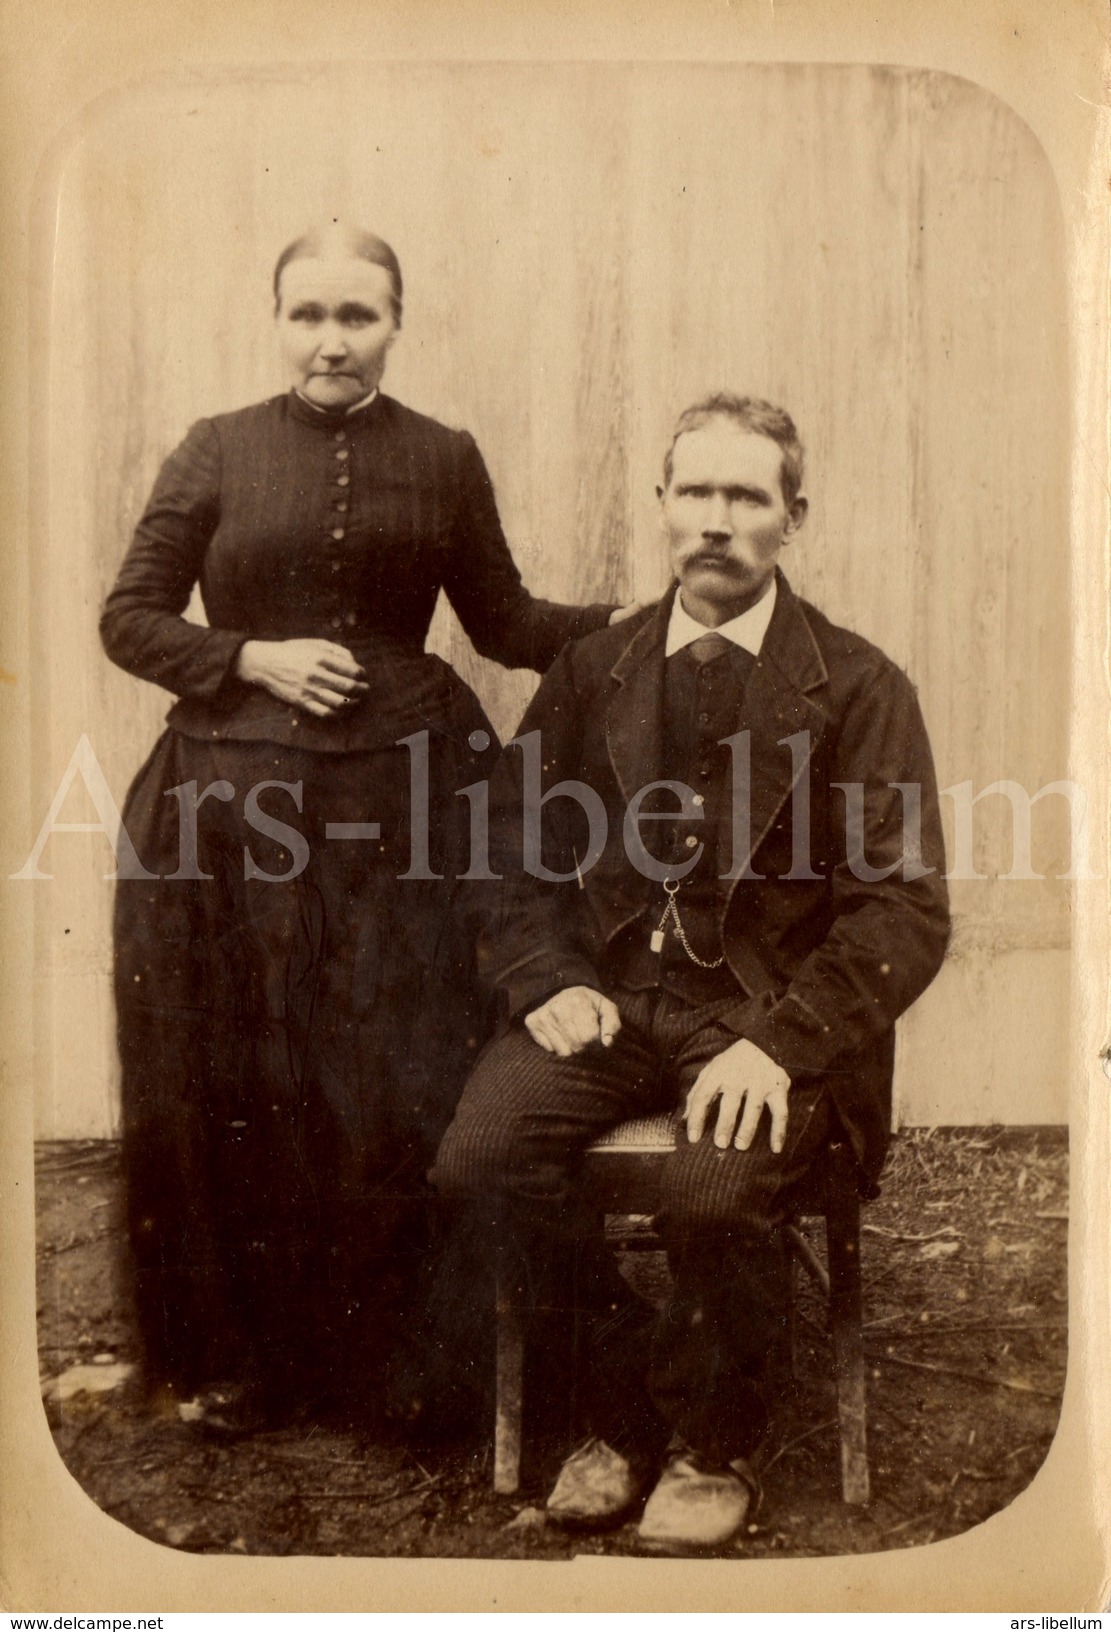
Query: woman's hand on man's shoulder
point(620, 613)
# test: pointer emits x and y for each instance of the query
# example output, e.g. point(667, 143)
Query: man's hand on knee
point(572, 1020)
point(742, 1079)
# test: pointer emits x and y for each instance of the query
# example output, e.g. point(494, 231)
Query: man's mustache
point(711, 558)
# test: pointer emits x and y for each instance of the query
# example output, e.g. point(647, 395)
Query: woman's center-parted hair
point(748, 414)
point(323, 242)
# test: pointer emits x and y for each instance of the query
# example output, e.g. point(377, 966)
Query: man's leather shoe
point(697, 1507)
point(596, 1486)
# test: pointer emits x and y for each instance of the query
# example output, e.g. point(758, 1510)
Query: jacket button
point(337, 623)
point(343, 479)
point(341, 436)
point(343, 453)
point(337, 532)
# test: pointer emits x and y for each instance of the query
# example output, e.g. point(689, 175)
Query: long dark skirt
point(291, 1054)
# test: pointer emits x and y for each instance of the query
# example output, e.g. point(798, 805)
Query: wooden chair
point(621, 1175)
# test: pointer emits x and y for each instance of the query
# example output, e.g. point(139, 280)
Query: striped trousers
point(703, 1368)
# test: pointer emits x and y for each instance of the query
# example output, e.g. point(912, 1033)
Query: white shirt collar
point(747, 630)
point(354, 408)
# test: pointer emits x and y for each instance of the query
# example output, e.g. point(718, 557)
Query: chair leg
point(510, 1374)
point(802, 1252)
point(792, 1314)
point(846, 1314)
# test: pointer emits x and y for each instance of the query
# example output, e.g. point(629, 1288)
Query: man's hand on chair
point(743, 1080)
point(572, 1020)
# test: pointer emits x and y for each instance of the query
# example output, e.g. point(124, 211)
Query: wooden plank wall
point(586, 249)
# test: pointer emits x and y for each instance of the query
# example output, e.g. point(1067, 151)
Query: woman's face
point(336, 324)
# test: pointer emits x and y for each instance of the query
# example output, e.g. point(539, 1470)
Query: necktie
point(709, 646)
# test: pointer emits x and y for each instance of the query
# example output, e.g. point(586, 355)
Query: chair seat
point(640, 1136)
point(621, 1170)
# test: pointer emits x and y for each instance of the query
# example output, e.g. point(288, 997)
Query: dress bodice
point(301, 523)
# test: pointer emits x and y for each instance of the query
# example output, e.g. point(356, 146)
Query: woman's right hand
point(316, 675)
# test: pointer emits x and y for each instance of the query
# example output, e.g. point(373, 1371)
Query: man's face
point(336, 325)
point(725, 518)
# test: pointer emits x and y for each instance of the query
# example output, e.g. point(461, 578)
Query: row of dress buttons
point(343, 479)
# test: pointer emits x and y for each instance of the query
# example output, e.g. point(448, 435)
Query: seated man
point(721, 869)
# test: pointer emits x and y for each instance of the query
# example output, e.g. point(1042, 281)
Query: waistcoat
point(703, 702)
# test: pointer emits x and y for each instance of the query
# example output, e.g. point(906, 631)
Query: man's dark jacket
point(823, 964)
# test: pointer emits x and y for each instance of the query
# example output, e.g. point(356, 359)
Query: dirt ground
point(965, 1310)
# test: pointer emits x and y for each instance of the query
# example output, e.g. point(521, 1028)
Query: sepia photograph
point(557, 821)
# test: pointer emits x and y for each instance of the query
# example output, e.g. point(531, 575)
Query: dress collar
point(330, 418)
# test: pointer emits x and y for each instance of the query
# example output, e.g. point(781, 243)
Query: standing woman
point(295, 1005)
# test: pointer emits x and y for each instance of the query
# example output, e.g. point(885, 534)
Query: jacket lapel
point(634, 718)
point(778, 704)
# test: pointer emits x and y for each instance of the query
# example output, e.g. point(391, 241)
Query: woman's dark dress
point(292, 1049)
